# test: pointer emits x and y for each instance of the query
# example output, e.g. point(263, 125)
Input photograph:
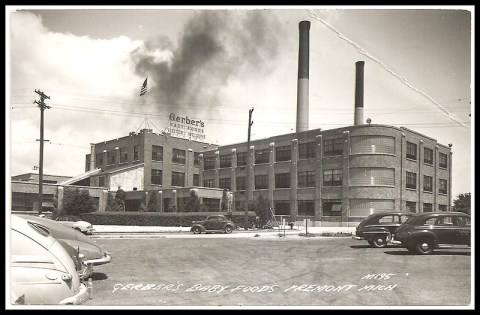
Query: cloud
point(77, 73)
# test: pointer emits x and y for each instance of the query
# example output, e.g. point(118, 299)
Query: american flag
point(143, 90)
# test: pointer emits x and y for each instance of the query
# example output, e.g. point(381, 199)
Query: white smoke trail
point(384, 66)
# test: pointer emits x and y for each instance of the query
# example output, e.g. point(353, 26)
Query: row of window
point(427, 155)
point(358, 177)
point(178, 156)
point(332, 147)
point(411, 183)
point(358, 207)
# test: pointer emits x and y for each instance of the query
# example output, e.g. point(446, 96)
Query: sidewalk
point(105, 230)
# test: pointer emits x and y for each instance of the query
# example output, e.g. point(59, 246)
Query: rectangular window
point(111, 157)
point(136, 150)
point(283, 153)
point(306, 208)
point(372, 145)
point(241, 158)
point(427, 207)
point(411, 206)
point(123, 155)
point(101, 181)
point(178, 179)
point(411, 151)
point(208, 183)
point(282, 180)
point(332, 178)
point(209, 163)
point(427, 183)
point(411, 180)
point(282, 208)
point(372, 176)
point(442, 208)
point(196, 180)
point(442, 186)
point(212, 204)
point(225, 160)
point(178, 156)
point(306, 179)
point(262, 156)
point(261, 182)
point(196, 159)
point(332, 208)
point(333, 147)
point(157, 153)
point(306, 150)
point(442, 160)
point(241, 183)
point(428, 156)
point(98, 160)
point(225, 183)
point(365, 207)
point(156, 177)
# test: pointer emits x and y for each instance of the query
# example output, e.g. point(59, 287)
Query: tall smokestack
point(302, 87)
point(359, 93)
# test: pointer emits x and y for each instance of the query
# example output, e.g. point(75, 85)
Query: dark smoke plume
point(215, 46)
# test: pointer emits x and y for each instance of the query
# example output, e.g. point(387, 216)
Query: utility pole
point(247, 186)
point(42, 106)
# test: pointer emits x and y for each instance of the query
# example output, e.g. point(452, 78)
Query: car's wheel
point(228, 229)
point(197, 230)
point(424, 247)
point(380, 240)
point(371, 243)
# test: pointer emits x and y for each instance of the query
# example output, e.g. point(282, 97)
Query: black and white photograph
point(239, 157)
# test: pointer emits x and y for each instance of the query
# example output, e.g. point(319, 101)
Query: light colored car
point(42, 272)
point(75, 222)
point(93, 253)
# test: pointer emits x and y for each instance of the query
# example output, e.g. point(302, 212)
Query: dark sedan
point(430, 230)
point(377, 229)
point(213, 223)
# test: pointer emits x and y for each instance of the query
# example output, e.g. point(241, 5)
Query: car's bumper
point(84, 294)
point(358, 238)
point(99, 261)
point(395, 242)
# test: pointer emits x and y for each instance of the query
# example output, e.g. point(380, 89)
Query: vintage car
point(213, 223)
point(76, 223)
point(42, 271)
point(430, 230)
point(377, 229)
point(93, 253)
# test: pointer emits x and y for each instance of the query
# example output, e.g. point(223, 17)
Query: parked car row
point(50, 263)
point(419, 233)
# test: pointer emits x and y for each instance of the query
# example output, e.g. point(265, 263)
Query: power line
point(384, 66)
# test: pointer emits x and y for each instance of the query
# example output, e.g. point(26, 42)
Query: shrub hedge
point(158, 218)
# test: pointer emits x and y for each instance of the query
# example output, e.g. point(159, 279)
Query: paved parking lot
point(291, 271)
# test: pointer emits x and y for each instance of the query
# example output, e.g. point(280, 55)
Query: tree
point(116, 204)
point(172, 207)
point(152, 202)
point(193, 203)
point(462, 203)
point(77, 201)
point(262, 210)
point(143, 203)
point(224, 204)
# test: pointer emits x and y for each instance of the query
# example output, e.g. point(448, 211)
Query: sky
point(215, 63)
